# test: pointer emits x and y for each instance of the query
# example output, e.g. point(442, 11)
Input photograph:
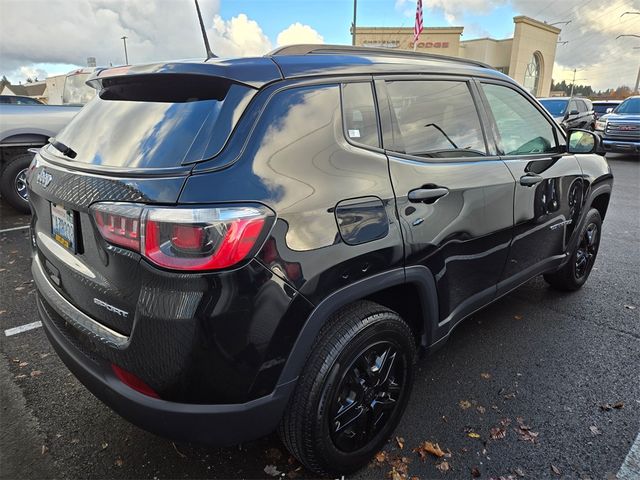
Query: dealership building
point(528, 57)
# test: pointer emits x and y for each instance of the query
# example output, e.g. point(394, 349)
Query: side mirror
point(583, 141)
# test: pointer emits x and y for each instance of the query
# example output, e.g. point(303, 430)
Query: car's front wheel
point(576, 271)
point(353, 390)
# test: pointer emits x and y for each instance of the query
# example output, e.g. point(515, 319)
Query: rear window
point(154, 122)
point(556, 108)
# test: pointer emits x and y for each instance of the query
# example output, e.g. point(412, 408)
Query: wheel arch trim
point(420, 276)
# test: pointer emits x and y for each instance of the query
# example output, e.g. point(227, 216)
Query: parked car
point(18, 100)
point(23, 127)
point(571, 113)
point(620, 129)
point(226, 248)
point(602, 107)
point(30, 126)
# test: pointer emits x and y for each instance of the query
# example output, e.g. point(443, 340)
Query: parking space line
point(630, 468)
point(22, 328)
point(14, 229)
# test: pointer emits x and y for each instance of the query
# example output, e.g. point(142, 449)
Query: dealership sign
point(396, 44)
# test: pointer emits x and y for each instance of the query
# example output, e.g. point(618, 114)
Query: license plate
point(63, 226)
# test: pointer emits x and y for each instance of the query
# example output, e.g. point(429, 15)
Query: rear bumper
point(221, 424)
point(621, 146)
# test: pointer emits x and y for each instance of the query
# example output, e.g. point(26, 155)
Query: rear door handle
point(530, 179)
point(427, 195)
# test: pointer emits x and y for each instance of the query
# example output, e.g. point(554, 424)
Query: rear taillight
point(203, 238)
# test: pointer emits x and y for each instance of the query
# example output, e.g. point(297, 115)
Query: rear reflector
point(191, 239)
point(134, 382)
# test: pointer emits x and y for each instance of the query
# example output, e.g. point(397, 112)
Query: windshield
point(629, 106)
point(76, 91)
point(139, 126)
point(555, 107)
point(602, 107)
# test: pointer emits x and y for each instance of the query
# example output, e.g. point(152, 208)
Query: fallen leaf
point(485, 375)
point(618, 405)
point(473, 435)
point(428, 447)
point(443, 466)
point(475, 472)
point(105, 445)
point(556, 470)
point(526, 434)
point(464, 404)
point(17, 289)
point(36, 373)
point(595, 430)
point(2, 312)
point(415, 477)
point(75, 440)
point(400, 442)
point(509, 396)
point(23, 364)
point(119, 462)
point(518, 471)
point(394, 474)
point(481, 409)
point(630, 307)
point(45, 449)
point(381, 457)
point(272, 471)
point(517, 317)
point(497, 433)
point(21, 376)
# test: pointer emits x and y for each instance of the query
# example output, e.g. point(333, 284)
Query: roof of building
point(35, 89)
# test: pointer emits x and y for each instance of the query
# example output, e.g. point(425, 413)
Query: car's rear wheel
point(353, 390)
point(575, 272)
point(13, 182)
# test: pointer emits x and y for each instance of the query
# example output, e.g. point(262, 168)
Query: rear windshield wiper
point(62, 148)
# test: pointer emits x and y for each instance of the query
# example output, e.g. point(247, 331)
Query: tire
point(576, 271)
point(12, 178)
point(353, 390)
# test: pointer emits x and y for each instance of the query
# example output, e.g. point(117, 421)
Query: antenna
point(210, 54)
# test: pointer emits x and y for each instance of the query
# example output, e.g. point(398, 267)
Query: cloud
point(238, 37)
point(299, 33)
point(600, 60)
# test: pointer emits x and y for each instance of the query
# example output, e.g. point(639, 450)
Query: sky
point(40, 38)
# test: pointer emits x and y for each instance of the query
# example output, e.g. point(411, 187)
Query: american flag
point(417, 29)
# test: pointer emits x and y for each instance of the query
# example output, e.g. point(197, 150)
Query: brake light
point(193, 239)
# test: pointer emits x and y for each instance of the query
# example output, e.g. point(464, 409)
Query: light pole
point(126, 57)
point(353, 24)
point(635, 88)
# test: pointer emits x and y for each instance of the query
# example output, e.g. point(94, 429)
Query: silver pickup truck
point(23, 127)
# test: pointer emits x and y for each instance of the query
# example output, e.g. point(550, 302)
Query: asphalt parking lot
point(538, 385)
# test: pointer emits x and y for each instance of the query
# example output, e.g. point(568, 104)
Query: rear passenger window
point(581, 106)
point(359, 112)
point(522, 129)
point(436, 119)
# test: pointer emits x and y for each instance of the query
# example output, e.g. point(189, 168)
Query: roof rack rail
point(306, 49)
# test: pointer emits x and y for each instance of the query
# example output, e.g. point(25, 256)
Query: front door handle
point(427, 195)
point(530, 179)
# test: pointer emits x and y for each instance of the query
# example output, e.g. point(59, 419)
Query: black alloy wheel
point(587, 250)
point(352, 391)
point(367, 395)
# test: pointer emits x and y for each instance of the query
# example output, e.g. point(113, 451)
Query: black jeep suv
point(226, 248)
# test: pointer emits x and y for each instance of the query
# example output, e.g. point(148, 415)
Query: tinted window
point(149, 126)
point(630, 105)
point(436, 119)
point(556, 108)
point(358, 110)
point(601, 107)
point(522, 129)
